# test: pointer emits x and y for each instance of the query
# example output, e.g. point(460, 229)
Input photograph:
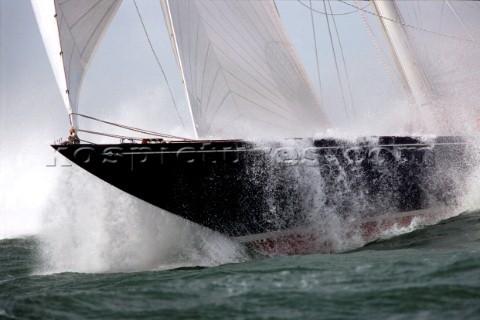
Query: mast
point(414, 79)
point(173, 39)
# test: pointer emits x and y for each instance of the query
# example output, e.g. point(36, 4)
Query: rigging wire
point(316, 54)
point(310, 7)
point(344, 62)
point(459, 20)
point(336, 63)
point(158, 62)
point(412, 26)
point(110, 135)
point(380, 53)
point(440, 22)
point(149, 132)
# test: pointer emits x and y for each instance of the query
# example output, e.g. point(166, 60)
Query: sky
point(124, 84)
point(123, 76)
point(84, 224)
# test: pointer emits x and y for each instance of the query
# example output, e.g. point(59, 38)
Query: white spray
point(90, 226)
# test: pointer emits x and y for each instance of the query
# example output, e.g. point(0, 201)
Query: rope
point(310, 7)
point(111, 135)
point(459, 20)
point(86, 141)
point(316, 53)
point(380, 53)
point(411, 26)
point(336, 63)
point(152, 133)
point(158, 62)
point(344, 62)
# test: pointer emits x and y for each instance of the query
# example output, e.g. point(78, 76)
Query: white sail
point(242, 74)
point(411, 71)
point(445, 39)
point(71, 31)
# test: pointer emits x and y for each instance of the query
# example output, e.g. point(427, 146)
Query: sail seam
point(256, 67)
point(317, 111)
point(201, 22)
point(203, 71)
point(217, 73)
point(278, 104)
point(256, 91)
point(73, 96)
point(265, 79)
point(272, 93)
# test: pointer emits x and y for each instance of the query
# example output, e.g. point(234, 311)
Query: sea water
point(97, 253)
point(430, 273)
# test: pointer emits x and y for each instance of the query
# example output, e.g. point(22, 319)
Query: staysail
point(71, 31)
point(242, 75)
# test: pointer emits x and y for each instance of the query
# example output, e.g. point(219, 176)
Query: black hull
point(240, 188)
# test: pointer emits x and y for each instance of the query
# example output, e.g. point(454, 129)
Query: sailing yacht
point(243, 79)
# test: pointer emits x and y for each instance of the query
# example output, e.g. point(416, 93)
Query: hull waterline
point(251, 191)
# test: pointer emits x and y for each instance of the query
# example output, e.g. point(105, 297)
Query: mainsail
point(71, 31)
point(242, 75)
